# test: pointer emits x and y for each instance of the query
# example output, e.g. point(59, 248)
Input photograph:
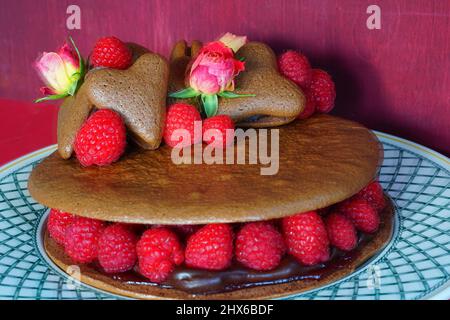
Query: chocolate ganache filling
point(197, 281)
point(204, 282)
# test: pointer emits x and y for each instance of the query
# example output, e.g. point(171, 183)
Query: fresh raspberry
point(110, 52)
point(310, 106)
point(210, 248)
point(341, 232)
point(259, 246)
point(181, 116)
point(117, 249)
point(57, 223)
point(221, 132)
point(361, 213)
point(82, 236)
point(159, 251)
point(374, 194)
point(306, 237)
point(323, 90)
point(295, 66)
point(101, 140)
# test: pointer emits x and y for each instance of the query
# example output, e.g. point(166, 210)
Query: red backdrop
point(395, 79)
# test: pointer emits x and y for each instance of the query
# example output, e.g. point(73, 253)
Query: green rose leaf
point(232, 95)
point(210, 104)
point(184, 94)
point(51, 97)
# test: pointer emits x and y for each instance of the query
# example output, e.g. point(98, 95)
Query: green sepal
point(80, 58)
point(184, 94)
point(78, 77)
point(210, 104)
point(72, 88)
point(51, 97)
point(232, 95)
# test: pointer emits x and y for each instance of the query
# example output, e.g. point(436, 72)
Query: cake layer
point(322, 160)
point(237, 282)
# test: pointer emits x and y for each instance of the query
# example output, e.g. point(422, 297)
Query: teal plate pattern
point(414, 265)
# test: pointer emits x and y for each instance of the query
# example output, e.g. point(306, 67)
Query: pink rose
point(60, 70)
point(214, 69)
point(211, 74)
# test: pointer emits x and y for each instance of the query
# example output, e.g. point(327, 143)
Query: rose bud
point(60, 71)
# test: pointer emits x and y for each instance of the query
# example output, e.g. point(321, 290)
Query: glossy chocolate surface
point(236, 277)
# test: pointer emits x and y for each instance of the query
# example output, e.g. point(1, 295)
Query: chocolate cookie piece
point(71, 116)
point(322, 160)
point(138, 94)
point(137, 50)
point(278, 100)
point(92, 276)
point(180, 57)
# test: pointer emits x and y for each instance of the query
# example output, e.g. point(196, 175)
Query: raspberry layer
point(196, 281)
point(237, 282)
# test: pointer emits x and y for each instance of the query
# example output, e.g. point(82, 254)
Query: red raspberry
point(374, 194)
point(210, 248)
point(323, 90)
point(341, 232)
point(295, 66)
point(159, 251)
point(82, 239)
point(110, 52)
point(306, 238)
point(117, 249)
point(310, 106)
point(259, 246)
point(181, 116)
point(218, 126)
point(101, 140)
point(363, 215)
point(57, 224)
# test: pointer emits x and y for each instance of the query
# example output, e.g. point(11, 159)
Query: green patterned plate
point(415, 264)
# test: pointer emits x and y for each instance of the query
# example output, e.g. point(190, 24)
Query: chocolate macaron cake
point(139, 223)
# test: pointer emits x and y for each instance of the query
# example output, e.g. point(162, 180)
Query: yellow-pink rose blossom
point(59, 70)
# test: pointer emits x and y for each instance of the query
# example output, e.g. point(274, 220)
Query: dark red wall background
point(395, 79)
